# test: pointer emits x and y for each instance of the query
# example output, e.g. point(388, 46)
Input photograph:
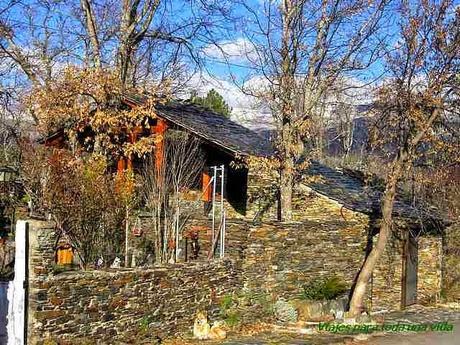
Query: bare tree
point(297, 50)
point(414, 106)
point(165, 179)
point(145, 41)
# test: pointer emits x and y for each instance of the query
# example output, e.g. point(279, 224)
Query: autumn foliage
point(87, 204)
point(76, 185)
point(89, 103)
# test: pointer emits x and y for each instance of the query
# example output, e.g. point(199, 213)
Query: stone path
point(430, 338)
point(413, 315)
point(420, 314)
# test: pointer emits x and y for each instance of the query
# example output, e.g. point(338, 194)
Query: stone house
point(336, 219)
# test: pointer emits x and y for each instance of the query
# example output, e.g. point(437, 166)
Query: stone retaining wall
point(429, 269)
point(282, 258)
point(105, 305)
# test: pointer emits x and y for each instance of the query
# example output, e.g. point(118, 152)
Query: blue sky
point(232, 35)
point(229, 34)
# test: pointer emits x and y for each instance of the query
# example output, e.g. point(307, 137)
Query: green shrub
point(232, 319)
point(256, 300)
point(228, 310)
point(226, 303)
point(145, 321)
point(324, 289)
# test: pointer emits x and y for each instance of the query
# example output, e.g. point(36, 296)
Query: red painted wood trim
point(159, 129)
point(120, 166)
point(206, 187)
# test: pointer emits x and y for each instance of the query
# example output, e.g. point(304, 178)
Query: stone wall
point(385, 286)
point(262, 196)
point(283, 257)
point(451, 263)
point(271, 257)
point(41, 262)
point(103, 305)
point(429, 269)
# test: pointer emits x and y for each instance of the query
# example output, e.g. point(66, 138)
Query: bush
point(226, 303)
point(232, 319)
point(87, 204)
point(324, 289)
point(262, 302)
point(228, 311)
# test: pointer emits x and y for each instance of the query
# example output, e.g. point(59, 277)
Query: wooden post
point(207, 188)
point(132, 139)
point(159, 129)
point(120, 165)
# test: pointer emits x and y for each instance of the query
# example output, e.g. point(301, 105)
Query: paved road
point(430, 338)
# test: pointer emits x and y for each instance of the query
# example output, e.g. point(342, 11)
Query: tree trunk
point(286, 180)
point(286, 174)
point(286, 96)
point(359, 293)
point(124, 63)
point(92, 32)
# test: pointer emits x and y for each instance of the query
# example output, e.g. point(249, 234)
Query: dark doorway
point(410, 268)
point(237, 188)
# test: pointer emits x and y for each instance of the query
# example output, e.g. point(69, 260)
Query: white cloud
point(253, 113)
point(238, 50)
point(246, 110)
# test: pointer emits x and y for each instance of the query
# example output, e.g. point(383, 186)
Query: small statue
point(116, 263)
point(99, 263)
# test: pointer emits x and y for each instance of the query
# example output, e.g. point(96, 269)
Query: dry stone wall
point(385, 286)
point(271, 257)
point(104, 305)
point(429, 269)
point(282, 258)
point(451, 263)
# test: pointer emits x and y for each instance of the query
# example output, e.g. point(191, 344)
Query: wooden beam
point(159, 129)
point(120, 165)
point(207, 188)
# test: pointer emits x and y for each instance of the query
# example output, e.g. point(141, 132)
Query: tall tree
point(297, 49)
point(415, 106)
point(214, 101)
point(144, 41)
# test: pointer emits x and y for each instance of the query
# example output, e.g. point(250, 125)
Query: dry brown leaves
point(92, 100)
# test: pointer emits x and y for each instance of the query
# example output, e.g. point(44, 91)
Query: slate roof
point(212, 127)
point(349, 188)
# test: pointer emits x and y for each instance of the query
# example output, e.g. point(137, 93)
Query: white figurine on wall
point(99, 263)
point(116, 263)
